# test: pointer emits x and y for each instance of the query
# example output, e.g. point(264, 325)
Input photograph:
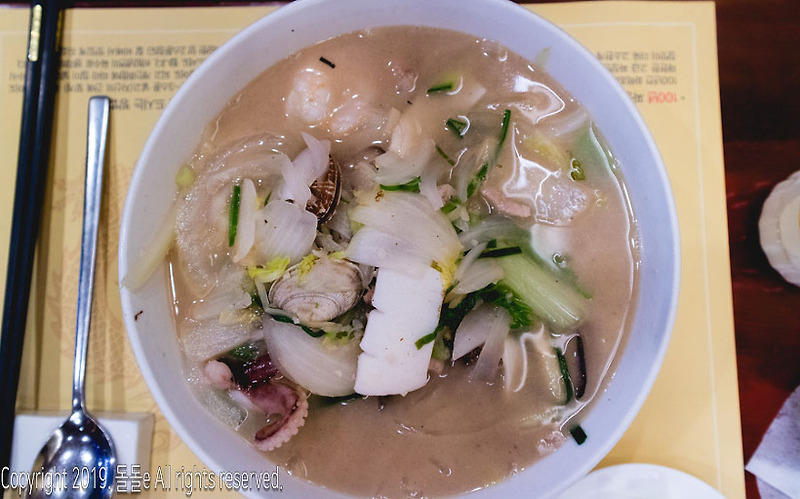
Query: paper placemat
point(664, 53)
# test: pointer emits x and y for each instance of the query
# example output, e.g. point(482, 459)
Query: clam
point(325, 193)
point(326, 290)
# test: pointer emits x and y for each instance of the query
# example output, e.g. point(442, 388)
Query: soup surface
point(404, 263)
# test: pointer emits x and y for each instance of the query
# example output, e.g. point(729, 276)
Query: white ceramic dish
point(152, 332)
point(640, 481)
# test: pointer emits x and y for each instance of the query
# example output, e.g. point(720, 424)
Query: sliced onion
point(340, 224)
point(469, 258)
point(313, 161)
point(564, 125)
point(494, 227)
point(378, 249)
point(549, 240)
point(326, 242)
point(394, 169)
point(215, 304)
point(481, 273)
point(474, 330)
point(202, 221)
point(209, 339)
point(410, 218)
point(489, 359)
point(327, 370)
point(293, 187)
point(284, 229)
point(405, 136)
point(246, 225)
point(428, 188)
point(140, 271)
point(229, 293)
point(297, 175)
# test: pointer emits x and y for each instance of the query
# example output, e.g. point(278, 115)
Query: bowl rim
point(285, 14)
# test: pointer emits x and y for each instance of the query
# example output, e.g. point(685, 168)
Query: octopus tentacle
point(266, 391)
point(269, 438)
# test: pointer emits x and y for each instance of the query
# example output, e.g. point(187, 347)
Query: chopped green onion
point(491, 244)
point(478, 180)
point(484, 170)
point(246, 352)
point(450, 205)
point(255, 301)
point(425, 340)
point(578, 434)
point(503, 132)
point(283, 318)
point(442, 87)
point(288, 320)
point(576, 170)
point(445, 156)
point(500, 252)
point(457, 126)
point(184, 177)
point(410, 186)
point(233, 220)
point(562, 364)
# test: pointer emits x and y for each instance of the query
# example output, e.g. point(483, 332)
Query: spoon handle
point(95, 158)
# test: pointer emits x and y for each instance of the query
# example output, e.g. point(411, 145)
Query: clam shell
point(329, 289)
point(325, 193)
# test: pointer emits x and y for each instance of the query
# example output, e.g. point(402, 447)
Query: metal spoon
point(79, 456)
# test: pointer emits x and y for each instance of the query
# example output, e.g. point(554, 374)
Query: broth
point(455, 434)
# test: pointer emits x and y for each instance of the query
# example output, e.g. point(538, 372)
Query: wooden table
point(759, 68)
point(759, 52)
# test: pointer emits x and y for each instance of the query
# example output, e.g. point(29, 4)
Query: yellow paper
point(664, 53)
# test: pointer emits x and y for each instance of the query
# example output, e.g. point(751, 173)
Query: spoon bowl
point(78, 460)
point(79, 456)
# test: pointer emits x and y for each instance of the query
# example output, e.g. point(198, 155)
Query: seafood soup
point(404, 262)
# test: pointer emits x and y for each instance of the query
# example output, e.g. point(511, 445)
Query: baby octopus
point(263, 390)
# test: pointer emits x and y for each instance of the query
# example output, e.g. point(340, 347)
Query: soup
point(404, 263)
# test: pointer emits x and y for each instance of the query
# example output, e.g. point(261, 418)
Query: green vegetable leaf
point(476, 182)
point(425, 340)
point(445, 156)
point(246, 352)
point(503, 296)
point(458, 127)
point(314, 333)
point(410, 186)
point(442, 87)
point(233, 219)
point(450, 205)
point(565, 376)
point(501, 252)
point(576, 170)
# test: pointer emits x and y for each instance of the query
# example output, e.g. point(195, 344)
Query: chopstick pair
point(41, 73)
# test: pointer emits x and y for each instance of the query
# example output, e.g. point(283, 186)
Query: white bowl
point(305, 22)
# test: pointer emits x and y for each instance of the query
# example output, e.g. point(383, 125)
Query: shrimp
point(310, 97)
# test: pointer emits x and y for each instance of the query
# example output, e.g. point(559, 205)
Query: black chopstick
point(34, 153)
